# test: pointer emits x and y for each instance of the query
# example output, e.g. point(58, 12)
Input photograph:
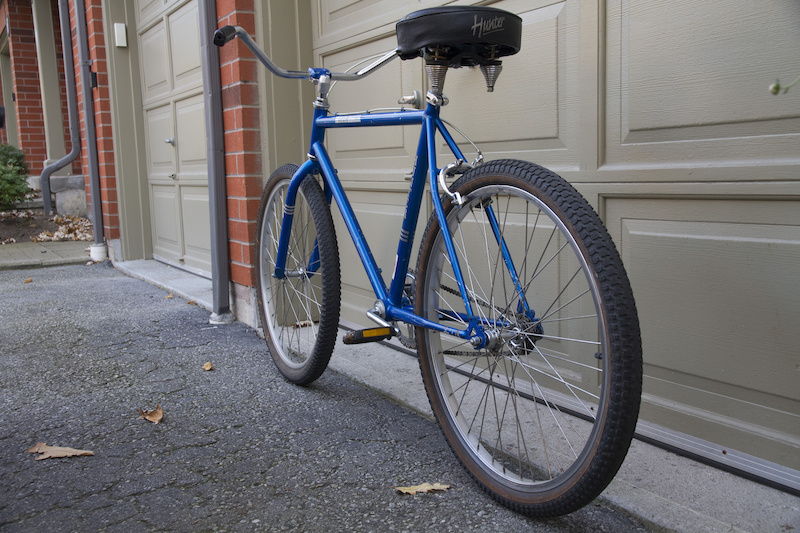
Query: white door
point(172, 88)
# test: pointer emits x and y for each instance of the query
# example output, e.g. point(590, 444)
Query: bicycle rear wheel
point(542, 416)
point(299, 312)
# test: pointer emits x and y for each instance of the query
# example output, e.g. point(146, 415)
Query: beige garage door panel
point(196, 221)
point(148, 8)
point(715, 285)
point(161, 155)
point(165, 202)
point(343, 19)
point(689, 72)
point(524, 107)
point(184, 27)
point(154, 63)
point(191, 142)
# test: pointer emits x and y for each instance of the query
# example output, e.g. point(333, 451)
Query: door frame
point(136, 241)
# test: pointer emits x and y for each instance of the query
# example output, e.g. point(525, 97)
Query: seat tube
point(409, 225)
point(430, 126)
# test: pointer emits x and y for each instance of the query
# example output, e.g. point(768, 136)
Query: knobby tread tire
point(623, 375)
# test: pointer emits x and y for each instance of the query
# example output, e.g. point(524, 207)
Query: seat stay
point(432, 124)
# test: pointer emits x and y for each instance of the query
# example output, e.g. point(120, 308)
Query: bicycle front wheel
point(300, 311)
point(543, 413)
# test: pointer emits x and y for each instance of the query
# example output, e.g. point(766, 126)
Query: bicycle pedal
point(362, 336)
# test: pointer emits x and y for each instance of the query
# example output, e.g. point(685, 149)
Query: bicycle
point(519, 306)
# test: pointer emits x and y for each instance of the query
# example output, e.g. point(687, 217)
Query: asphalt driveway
point(84, 348)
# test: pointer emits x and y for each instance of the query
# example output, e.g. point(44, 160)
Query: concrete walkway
point(662, 490)
point(43, 254)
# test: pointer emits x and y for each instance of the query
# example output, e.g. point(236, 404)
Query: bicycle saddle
point(459, 36)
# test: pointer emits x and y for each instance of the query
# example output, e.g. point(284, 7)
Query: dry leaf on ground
point(208, 366)
point(153, 415)
point(425, 487)
point(56, 451)
point(29, 280)
point(191, 302)
point(168, 297)
point(70, 228)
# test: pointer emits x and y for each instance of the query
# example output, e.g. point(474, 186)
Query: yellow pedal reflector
point(367, 335)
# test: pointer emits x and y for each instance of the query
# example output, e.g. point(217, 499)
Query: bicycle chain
point(472, 299)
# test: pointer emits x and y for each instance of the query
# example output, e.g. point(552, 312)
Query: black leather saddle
point(459, 36)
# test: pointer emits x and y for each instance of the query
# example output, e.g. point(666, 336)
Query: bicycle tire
point(543, 416)
point(300, 312)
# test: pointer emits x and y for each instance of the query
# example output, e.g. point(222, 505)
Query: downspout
point(98, 251)
point(215, 158)
point(72, 108)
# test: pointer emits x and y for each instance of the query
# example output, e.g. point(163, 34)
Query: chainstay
point(485, 305)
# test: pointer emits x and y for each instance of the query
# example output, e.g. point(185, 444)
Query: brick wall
point(243, 165)
point(25, 83)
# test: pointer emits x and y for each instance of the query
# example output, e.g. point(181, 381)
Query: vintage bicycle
point(519, 306)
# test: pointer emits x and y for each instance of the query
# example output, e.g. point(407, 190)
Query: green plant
point(13, 176)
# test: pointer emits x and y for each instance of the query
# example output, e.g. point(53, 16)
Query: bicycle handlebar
point(227, 33)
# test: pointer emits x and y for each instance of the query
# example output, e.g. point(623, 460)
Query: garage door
point(177, 178)
point(659, 114)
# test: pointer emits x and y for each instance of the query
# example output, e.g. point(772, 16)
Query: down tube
point(332, 181)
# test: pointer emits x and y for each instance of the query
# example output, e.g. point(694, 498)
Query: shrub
point(13, 177)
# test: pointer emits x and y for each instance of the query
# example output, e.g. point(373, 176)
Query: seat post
point(436, 75)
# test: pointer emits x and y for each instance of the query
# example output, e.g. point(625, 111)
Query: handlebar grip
point(224, 34)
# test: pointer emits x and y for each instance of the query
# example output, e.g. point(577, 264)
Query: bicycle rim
point(530, 415)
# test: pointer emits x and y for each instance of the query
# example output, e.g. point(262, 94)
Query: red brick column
point(243, 165)
point(25, 83)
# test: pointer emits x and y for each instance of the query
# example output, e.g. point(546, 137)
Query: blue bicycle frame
point(319, 162)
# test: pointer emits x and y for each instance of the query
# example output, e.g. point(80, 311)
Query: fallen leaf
point(168, 297)
point(154, 415)
point(208, 366)
point(425, 487)
point(56, 451)
point(29, 280)
point(191, 302)
point(70, 228)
